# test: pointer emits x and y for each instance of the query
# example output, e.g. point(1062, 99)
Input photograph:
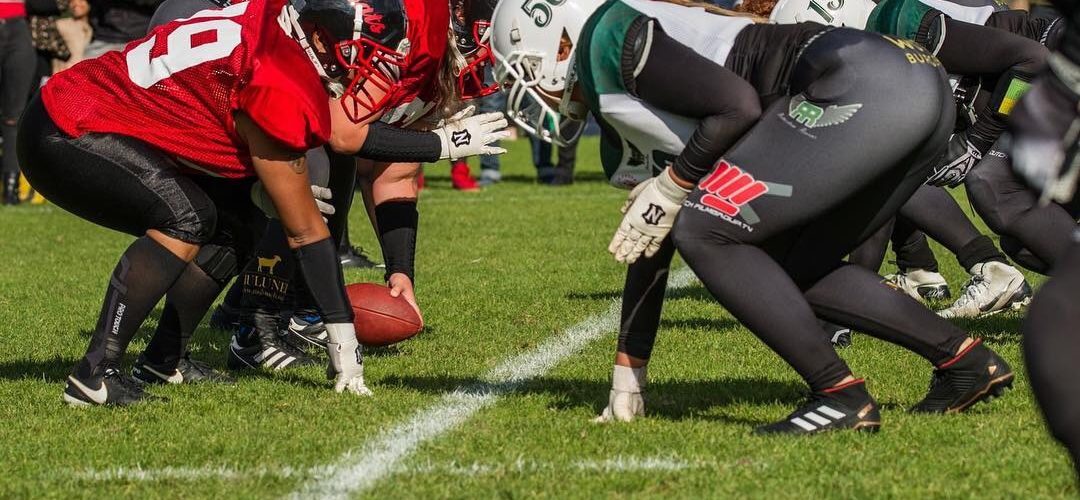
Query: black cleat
point(306, 330)
point(840, 336)
point(249, 351)
point(975, 374)
point(112, 388)
point(355, 257)
point(187, 371)
point(845, 407)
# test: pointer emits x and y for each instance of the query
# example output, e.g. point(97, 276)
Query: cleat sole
point(996, 388)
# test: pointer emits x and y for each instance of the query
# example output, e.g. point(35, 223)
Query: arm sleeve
point(726, 104)
point(391, 144)
point(397, 222)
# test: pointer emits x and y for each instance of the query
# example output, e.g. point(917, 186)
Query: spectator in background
point(76, 32)
point(560, 174)
point(117, 22)
point(48, 44)
point(17, 63)
point(489, 164)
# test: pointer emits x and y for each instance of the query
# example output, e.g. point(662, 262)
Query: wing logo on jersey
point(811, 115)
point(461, 138)
point(728, 189)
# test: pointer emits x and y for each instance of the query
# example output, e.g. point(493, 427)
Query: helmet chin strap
point(567, 105)
point(292, 18)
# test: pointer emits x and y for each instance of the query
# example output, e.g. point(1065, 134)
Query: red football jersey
point(429, 21)
point(177, 89)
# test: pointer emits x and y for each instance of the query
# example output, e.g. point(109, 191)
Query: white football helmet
point(850, 13)
point(525, 38)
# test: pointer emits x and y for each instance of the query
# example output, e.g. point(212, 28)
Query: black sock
point(185, 305)
point(915, 253)
point(978, 250)
point(145, 272)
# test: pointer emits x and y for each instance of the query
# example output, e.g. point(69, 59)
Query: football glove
point(959, 158)
point(625, 401)
point(261, 199)
point(649, 218)
point(346, 366)
point(466, 134)
point(1046, 128)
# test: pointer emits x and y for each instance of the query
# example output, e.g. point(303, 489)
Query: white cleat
point(993, 287)
point(920, 284)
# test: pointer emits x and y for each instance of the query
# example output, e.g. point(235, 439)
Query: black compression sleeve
point(397, 221)
point(322, 273)
point(388, 143)
point(726, 104)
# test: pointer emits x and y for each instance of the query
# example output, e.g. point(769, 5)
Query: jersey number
point(218, 36)
point(540, 10)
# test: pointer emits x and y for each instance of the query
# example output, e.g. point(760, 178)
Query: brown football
point(379, 318)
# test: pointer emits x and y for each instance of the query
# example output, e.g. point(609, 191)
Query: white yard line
point(614, 464)
point(361, 468)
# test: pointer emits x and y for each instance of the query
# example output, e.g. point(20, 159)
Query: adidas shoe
point(111, 388)
point(848, 406)
point(187, 371)
point(271, 354)
point(840, 336)
point(993, 287)
point(973, 375)
point(306, 330)
point(920, 284)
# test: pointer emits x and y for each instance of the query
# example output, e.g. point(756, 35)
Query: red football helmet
point(363, 41)
point(469, 21)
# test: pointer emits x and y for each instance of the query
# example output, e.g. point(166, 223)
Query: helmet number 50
point(183, 51)
point(540, 10)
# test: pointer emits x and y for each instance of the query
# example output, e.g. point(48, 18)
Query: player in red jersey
point(163, 141)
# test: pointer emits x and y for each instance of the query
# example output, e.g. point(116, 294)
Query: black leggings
point(1034, 235)
point(1052, 351)
point(778, 261)
point(126, 185)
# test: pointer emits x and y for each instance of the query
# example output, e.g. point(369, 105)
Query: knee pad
point(218, 262)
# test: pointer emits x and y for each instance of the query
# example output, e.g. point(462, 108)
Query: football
point(380, 319)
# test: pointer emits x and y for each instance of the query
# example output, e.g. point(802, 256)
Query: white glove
point(346, 359)
point(625, 401)
point(465, 134)
point(649, 218)
point(632, 196)
point(261, 199)
point(959, 159)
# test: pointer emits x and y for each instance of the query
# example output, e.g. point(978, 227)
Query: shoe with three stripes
point(251, 351)
point(306, 330)
point(848, 406)
point(975, 374)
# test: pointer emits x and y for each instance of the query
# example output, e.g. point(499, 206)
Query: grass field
point(495, 398)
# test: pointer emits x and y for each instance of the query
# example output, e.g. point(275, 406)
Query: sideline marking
point(359, 469)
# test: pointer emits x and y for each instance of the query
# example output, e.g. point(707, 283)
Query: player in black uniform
point(1044, 150)
point(793, 168)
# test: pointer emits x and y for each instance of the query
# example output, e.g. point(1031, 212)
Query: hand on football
point(466, 134)
point(648, 219)
point(401, 286)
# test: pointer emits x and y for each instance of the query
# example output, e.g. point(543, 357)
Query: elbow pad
point(393, 144)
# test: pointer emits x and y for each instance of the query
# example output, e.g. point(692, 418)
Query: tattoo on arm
point(298, 165)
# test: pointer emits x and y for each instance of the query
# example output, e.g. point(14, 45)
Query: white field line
point(361, 468)
point(615, 464)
